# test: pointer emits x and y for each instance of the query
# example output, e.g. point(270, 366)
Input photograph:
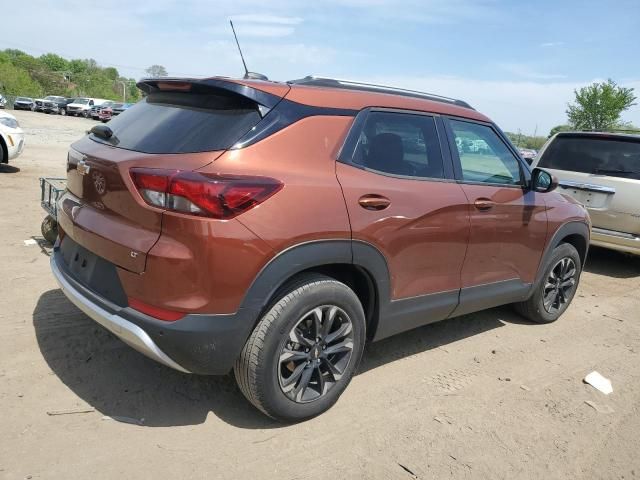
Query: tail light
point(202, 194)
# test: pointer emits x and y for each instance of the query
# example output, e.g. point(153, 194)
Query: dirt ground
point(482, 396)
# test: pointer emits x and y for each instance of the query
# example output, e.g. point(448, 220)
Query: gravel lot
point(482, 396)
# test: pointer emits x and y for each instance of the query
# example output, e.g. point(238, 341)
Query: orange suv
point(274, 228)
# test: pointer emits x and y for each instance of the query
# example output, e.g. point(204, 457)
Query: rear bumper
point(202, 344)
point(620, 241)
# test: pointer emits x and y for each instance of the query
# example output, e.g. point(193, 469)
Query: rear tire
point(291, 368)
point(556, 289)
point(49, 229)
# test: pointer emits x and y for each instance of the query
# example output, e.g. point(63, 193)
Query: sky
point(516, 61)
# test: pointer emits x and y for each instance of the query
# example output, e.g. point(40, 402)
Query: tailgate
point(102, 210)
point(611, 201)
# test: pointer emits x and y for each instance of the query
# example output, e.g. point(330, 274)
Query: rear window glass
point(171, 122)
point(615, 157)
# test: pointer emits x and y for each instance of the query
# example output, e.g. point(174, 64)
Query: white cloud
point(551, 44)
point(266, 18)
point(526, 71)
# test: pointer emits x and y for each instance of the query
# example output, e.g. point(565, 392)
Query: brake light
point(202, 194)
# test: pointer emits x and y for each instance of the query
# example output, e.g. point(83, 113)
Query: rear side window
point(400, 144)
point(596, 155)
point(177, 122)
point(484, 157)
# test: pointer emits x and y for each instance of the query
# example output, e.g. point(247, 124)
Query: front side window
point(484, 157)
point(400, 144)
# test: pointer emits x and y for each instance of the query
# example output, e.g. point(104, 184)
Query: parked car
point(112, 110)
point(95, 109)
point(118, 108)
point(11, 137)
point(82, 106)
point(62, 105)
point(528, 154)
point(601, 171)
point(24, 103)
point(281, 226)
point(3, 101)
point(51, 103)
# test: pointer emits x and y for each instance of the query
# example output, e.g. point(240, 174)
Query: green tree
point(15, 81)
point(156, 71)
point(560, 128)
point(599, 106)
point(54, 62)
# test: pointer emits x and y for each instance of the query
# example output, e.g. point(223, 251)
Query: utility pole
point(124, 91)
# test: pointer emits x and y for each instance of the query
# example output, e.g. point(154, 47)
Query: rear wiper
point(102, 131)
point(614, 170)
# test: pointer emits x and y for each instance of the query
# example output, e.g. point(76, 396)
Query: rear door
point(402, 199)
point(508, 221)
point(178, 126)
point(603, 173)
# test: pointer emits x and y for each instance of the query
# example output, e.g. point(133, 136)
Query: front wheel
point(62, 111)
point(556, 290)
point(304, 351)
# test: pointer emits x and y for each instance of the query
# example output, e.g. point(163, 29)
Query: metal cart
point(50, 191)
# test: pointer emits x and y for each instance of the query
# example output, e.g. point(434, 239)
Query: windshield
point(82, 101)
point(117, 105)
point(597, 155)
point(23, 99)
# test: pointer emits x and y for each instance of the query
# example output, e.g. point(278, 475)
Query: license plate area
point(589, 199)
point(92, 271)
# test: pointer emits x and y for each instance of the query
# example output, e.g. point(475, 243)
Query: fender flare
point(319, 253)
point(569, 228)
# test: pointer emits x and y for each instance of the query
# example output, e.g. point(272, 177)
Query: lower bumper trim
point(131, 334)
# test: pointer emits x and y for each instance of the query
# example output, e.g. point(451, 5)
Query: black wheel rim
point(559, 285)
point(316, 354)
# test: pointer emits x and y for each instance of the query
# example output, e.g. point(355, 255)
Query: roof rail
point(372, 87)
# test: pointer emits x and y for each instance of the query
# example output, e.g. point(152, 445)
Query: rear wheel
point(303, 353)
point(62, 111)
point(557, 288)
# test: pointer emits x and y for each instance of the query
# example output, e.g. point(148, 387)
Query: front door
point(508, 220)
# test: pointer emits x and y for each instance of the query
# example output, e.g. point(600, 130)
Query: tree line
point(22, 74)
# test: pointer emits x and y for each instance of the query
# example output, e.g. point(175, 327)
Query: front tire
point(304, 351)
point(556, 290)
point(62, 111)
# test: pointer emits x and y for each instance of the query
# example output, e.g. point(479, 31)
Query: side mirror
point(542, 181)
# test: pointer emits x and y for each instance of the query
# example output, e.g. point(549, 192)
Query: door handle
point(374, 202)
point(484, 204)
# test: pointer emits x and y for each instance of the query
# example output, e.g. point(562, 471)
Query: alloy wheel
point(560, 282)
point(316, 354)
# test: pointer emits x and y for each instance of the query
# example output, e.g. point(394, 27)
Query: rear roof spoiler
point(149, 85)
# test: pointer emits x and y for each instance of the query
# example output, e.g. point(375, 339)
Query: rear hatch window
point(597, 155)
point(183, 122)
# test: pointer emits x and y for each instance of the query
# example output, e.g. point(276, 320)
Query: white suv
point(601, 171)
